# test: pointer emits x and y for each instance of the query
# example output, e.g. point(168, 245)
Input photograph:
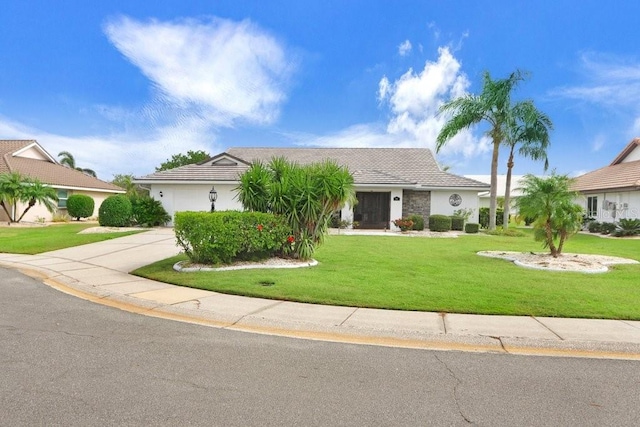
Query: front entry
point(372, 210)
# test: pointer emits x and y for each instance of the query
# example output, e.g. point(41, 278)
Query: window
point(592, 206)
point(63, 195)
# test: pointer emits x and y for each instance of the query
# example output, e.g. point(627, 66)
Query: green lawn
point(35, 240)
point(441, 275)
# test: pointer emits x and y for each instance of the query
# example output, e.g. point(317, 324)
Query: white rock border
point(267, 264)
point(591, 263)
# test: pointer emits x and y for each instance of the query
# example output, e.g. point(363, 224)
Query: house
point(390, 183)
point(29, 158)
point(613, 192)
point(501, 190)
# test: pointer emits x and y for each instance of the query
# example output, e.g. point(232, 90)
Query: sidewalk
point(98, 272)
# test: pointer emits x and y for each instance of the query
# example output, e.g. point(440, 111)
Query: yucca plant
point(627, 227)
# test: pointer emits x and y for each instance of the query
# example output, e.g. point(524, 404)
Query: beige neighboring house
point(502, 188)
point(29, 159)
point(613, 192)
point(390, 183)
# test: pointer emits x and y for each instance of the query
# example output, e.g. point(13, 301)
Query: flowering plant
point(403, 223)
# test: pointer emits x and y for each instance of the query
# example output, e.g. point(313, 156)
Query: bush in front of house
point(594, 227)
point(418, 222)
point(483, 217)
point(627, 227)
point(405, 224)
point(607, 228)
point(226, 236)
point(439, 223)
point(80, 206)
point(148, 212)
point(115, 211)
point(471, 227)
point(457, 223)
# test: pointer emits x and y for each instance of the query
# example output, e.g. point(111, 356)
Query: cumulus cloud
point(223, 70)
point(413, 101)
point(405, 48)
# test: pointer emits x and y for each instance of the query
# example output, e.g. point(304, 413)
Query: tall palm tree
point(551, 202)
point(67, 159)
point(529, 127)
point(36, 192)
point(493, 106)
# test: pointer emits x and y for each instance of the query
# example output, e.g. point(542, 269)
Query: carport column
point(395, 210)
point(347, 214)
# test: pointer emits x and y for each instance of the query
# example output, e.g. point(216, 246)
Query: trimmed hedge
point(115, 211)
point(80, 206)
point(418, 222)
point(439, 223)
point(457, 223)
point(225, 236)
point(471, 228)
point(483, 214)
point(148, 212)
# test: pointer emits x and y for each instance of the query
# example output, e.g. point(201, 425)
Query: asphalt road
point(66, 361)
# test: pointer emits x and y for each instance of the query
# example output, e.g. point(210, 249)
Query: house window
point(592, 206)
point(63, 195)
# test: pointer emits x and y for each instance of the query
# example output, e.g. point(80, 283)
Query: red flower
point(260, 227)
point(291, 239)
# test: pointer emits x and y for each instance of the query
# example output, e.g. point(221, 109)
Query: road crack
point(455, 389)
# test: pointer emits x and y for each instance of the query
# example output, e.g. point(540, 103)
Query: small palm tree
point(16, 188)
point(67, 159)
point(11, 187)
point(528, 127)
point(493, 106)
point(551, 202)
point(36, 192)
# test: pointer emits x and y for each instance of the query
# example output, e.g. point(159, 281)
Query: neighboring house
point(502, 186)
point(390, 183)
point(29, 159)
point(613, 192)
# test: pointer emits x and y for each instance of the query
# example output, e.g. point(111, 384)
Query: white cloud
point(405, 48)
point(598, 142)
point(221, 69)
point(413, 101)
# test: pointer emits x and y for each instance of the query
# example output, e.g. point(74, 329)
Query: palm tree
point(16, 188)
point(530, 128)
point(36, 192)
point(11, 186)
point(551, 202)
point(493, 106)
point(67, 159)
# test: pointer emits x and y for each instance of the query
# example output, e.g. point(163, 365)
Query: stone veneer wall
point(416, 202)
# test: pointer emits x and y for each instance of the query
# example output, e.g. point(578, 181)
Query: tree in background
point(67, 159)
point(530, 128)
point(551, 202)
point(306, 195)
point(125, 181)
point(16, 188)
point(180, 159)
point(493, 106)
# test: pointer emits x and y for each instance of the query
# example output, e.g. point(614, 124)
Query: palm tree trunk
point(4, 207)
point(507, 192)
point(32, 202)
point(493, 193)
point(549, 233)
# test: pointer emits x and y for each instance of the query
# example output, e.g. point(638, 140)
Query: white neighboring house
point(390, 183)
point(29, 159)
point(613, 192)
point(501, 190)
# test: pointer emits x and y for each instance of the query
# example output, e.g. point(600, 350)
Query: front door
point(372, 210)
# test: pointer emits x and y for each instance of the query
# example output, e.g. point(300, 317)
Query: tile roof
point(48, 172)
point(618, 175)
point(381, 166)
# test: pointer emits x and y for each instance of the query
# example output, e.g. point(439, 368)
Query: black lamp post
point(213, 196)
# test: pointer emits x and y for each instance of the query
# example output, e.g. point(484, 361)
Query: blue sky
point(124, 85)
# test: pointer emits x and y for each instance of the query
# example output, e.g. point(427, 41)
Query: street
point(67, 361)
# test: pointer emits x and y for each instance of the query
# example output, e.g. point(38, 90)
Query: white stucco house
point(501, 190)
point(30, 159)
point(613, 192)
point(390, 183)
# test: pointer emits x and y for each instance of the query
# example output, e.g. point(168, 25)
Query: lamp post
point(213, 196)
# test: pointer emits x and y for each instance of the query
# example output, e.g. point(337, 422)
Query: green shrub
point(509, 232)
point(418, 222)
point(80, 206)
point(471, 227)
point(483, 215)
point(627, 227)
point(457, 223)
point(594, 227)
point(439, 223)
point(148, 212)
point(226, 236)
point(115, 211)
point(607, 228)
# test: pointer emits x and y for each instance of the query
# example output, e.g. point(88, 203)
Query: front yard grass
point(35, 240)
point(439, 275)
